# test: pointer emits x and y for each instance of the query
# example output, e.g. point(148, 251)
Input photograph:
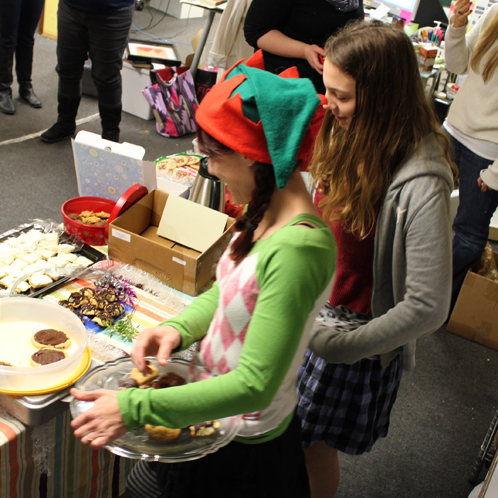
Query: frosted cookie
point(39, 281)
point(31, 257)
point(46, 356)
point(82, 261)
point(23, 287)
point(52, 273)
point(205, 428)
point(49, 241)
point(51, 338)
point(18, 264)
point(56, 261)
point(44, 253)
point(152, 373)
point(162, 433)
point(67, 256)
point(7, 281)
point(65, 248)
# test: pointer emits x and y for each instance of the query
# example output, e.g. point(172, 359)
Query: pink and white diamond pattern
point(239, 290)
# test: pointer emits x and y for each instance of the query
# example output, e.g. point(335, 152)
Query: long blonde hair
point(392, 118)
point(486, 41)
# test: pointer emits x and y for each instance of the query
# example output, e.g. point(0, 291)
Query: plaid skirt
point(347, 406)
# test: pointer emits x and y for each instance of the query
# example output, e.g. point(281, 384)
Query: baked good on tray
point(51, 338)
point(35, 251)
point(46, 356)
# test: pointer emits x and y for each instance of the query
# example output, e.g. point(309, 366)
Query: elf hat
point(262, 116)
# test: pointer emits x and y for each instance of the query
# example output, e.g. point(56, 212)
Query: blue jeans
point(103, 37)
point(475, 209)
point(18, 21)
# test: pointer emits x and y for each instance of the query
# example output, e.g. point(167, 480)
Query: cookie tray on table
point(65, 273)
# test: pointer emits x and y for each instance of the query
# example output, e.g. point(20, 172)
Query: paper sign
point(406, 15)
point(190, 224)
point(380, 12)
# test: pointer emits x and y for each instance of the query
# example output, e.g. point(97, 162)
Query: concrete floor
point(36, 178)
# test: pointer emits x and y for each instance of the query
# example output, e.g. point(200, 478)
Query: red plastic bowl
point(88, 234)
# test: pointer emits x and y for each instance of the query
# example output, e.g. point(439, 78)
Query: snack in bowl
point(6, 364)
point(46, 356)
point(51, 338)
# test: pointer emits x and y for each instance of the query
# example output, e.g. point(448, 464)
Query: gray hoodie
point(412, 266)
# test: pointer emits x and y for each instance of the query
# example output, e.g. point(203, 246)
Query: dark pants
point(18, 22)
point(475, 209)
point(103, 37)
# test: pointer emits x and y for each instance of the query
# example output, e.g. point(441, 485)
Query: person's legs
point(10, 11)
point(324, 472)
point(72, 50)
point(30, 16)
point(108, 36)
point(475, 209)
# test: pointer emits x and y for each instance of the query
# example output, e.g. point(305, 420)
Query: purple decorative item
point(172, 97)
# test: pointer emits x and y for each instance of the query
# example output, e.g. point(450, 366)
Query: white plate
point(137, 444)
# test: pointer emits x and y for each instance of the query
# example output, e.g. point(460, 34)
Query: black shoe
point(6, 104)
point(27, 95)
point(59, 131)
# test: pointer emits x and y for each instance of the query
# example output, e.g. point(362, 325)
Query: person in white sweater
point(473, 125)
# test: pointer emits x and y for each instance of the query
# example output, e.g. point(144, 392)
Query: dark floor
point(444, 407)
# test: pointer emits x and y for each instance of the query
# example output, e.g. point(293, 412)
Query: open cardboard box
point(133, 239)
point(475, 316)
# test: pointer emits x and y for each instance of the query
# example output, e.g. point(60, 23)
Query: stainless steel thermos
point(207, 189)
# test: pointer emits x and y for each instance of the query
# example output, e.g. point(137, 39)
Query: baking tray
point(89, 252)
point(36, 410)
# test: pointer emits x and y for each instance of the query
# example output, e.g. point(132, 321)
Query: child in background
point(385, 180)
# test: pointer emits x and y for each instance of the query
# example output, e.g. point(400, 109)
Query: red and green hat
point(262, 116)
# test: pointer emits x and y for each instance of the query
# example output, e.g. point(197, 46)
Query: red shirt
point(354, 271)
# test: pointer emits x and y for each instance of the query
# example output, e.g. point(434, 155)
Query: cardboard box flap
point(192, 225)
point(108, 169)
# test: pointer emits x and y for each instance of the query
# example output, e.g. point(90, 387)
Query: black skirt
point(267, 470)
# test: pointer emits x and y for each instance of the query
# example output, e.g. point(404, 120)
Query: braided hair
point(248, 222)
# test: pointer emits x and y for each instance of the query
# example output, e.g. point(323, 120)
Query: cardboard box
point(133, 240)
point(475, 316)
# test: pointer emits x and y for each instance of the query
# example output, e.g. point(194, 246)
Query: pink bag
point(171, 94)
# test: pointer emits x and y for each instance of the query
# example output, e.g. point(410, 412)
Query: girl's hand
point(314, 55)
point(102, 423)
point(482, 185)
point(462, 12)
point(155, 341)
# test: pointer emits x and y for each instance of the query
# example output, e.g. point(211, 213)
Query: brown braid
point(264, 178)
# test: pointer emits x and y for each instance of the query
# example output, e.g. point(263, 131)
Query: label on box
point(121, 235)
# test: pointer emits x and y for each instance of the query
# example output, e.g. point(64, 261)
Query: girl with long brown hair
point(254, 323)
point(384, 183)
point(473, 125)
